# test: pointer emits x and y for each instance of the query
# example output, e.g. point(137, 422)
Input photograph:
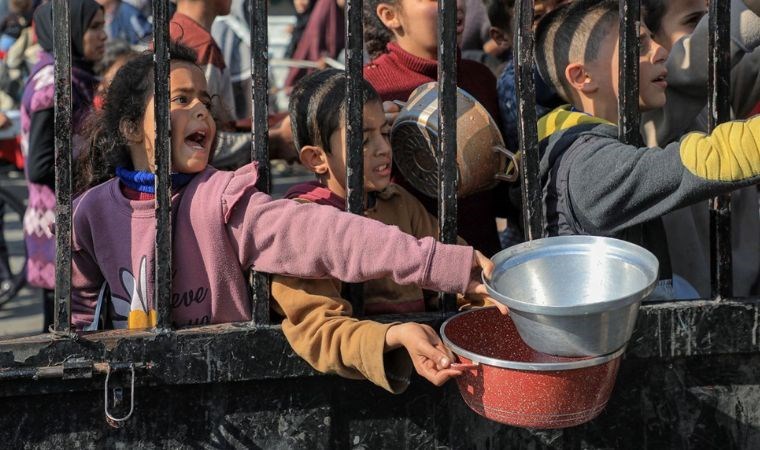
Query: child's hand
point(476, 291)
point(431, 359)
point(391, 110)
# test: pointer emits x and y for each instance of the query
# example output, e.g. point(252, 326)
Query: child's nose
point(384, 147)
point(659, 53)
point(200, 110)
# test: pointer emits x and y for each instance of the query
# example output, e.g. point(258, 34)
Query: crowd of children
point(223, 226)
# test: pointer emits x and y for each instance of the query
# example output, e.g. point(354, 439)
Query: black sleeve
point(40, 161)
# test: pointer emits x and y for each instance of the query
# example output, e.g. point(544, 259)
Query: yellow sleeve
point(319, 327)
point(730, 153)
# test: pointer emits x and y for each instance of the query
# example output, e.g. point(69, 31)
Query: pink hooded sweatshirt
point(222, 226)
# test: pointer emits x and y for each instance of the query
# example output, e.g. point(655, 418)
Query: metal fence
point(447, 201)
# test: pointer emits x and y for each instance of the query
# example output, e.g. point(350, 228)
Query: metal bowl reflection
point(574, 295)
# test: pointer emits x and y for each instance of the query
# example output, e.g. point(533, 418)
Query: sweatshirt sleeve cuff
point(449, 268)
point(390, 371)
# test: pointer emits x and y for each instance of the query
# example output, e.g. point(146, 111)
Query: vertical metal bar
point(719, 87)
point(62, 111)
point(354, 126)
point(527, 131)
point(447, 126)
point(260, 140)
point(161, 64)
point(629, 119)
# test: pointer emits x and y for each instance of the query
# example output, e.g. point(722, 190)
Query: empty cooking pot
point(482, 158)
point(516, 385)
point(574, 295)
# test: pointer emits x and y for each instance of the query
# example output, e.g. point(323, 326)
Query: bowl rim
point(649, 266)
point(580, 363)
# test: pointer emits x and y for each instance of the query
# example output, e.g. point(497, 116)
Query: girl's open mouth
point(196, 140)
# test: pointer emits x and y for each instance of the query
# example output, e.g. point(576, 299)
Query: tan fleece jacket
point(318, 322)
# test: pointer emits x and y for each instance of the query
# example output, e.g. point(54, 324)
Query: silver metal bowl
point(574, 295)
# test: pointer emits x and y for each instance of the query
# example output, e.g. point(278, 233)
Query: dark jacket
point(594, 184)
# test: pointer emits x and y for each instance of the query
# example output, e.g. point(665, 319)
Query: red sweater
point(395, 75)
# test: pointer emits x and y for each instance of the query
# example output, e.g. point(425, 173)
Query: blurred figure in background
point(324, 36)
point(191, 26)
point(88, 38)
point(116, 55)
point(125, 22)
point(477, 42)
point(14, 22)
point(232, 33)
point(303, 10)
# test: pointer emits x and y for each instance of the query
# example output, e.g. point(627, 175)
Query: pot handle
point(513, 167)
point(464, 366)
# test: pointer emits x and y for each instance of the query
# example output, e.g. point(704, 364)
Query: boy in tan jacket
point(318, 322)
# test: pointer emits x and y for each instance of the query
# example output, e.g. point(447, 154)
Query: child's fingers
point(391, 110)
point(502, 308)
point(482, 261)
point(439, 357)
point(440, 377)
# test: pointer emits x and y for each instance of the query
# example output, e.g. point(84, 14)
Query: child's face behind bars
point(603, 72)
point(377, 153)
point(680, 19)
point(192, 127)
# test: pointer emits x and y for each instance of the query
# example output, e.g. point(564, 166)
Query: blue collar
point(145, 181)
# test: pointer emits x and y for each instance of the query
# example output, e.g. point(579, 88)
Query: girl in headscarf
point(88, 38)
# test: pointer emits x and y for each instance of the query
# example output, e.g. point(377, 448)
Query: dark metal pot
point(516, 385)
point(482, 158)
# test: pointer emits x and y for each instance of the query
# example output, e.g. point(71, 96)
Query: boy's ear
point(579, 79)
point(501, 37)
point(130, 131)
point(388, 16)
point(314, 159)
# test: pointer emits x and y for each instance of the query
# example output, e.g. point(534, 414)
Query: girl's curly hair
point(125, 100)
point(376, 35)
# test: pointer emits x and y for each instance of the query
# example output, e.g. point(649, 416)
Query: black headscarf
point(82, 12)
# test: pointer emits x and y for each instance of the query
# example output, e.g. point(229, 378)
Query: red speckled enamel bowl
point(516, 385)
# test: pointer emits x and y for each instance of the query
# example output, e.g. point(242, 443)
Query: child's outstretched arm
point(320, 329)
point(314, 241)
point(613, 186)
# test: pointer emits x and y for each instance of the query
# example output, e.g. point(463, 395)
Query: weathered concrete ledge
point(238, 352)
point(690, 379)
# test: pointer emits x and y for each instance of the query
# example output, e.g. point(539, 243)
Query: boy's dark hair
point(116, 49)
point(652, 12)
point(572, 33)
point(125, 100)
point(499, 13)
point(376, 35)
point(317, 107)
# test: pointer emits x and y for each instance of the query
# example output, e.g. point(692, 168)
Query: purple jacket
point(223, 226)
point(39, 220)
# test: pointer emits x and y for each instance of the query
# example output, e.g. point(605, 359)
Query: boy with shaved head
point(593, 183)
